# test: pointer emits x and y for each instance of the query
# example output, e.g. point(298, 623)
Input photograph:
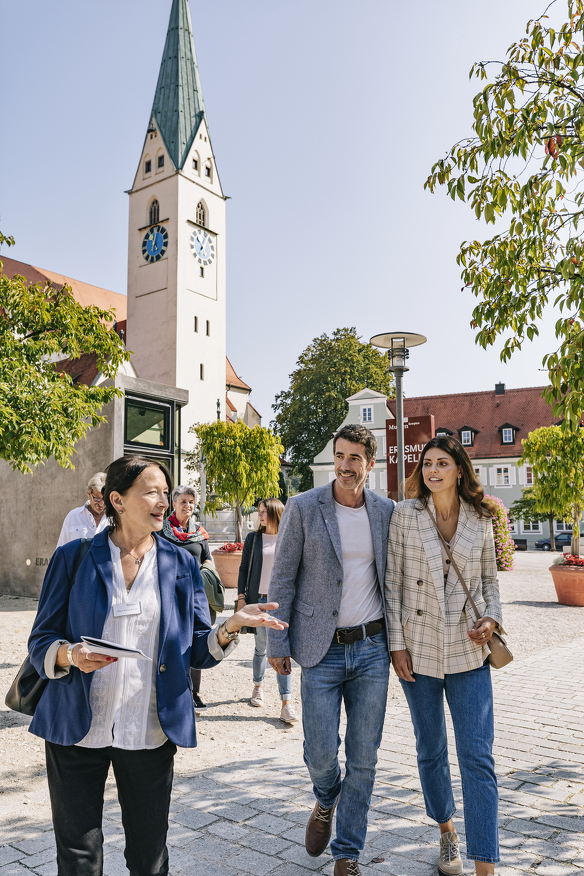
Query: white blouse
point(123, 695)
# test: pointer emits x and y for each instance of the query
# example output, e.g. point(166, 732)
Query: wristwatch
point(229, 636)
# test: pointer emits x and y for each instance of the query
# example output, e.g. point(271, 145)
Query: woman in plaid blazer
point(438, 647)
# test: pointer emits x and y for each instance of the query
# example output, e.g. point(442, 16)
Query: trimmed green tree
point(504, 544)
point(42, 412)
point(329, 371)
point(525, 508)
point(240, 464)
point(556, 459)
point(524, 166)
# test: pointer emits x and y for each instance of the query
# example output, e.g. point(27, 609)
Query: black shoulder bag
point(26, 689)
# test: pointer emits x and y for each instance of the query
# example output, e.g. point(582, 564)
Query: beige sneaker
point(257, 697)
point(449, 863)
point(288, 715)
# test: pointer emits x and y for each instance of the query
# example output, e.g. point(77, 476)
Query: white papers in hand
point(112, 649)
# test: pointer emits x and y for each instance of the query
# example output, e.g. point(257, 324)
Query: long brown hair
point(469, 489)
point(275, 509)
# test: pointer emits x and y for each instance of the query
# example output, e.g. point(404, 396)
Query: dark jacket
point(63, 714)
point(250, 570)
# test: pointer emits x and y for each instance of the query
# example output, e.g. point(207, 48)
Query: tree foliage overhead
point(525, 164)
point(327, 372)
point(556, 458)
point(42, 412)
point(240, 464)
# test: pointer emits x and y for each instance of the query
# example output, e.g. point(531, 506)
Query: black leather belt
point(355, 634)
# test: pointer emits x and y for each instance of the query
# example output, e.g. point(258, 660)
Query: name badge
point(121, 609)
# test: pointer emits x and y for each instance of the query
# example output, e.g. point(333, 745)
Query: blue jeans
point(470, 700)
point(259, 661)
point(357, 674)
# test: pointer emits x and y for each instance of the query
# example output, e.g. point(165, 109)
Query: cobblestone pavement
point(241, 806)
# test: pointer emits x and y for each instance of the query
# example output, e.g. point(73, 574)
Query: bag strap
point(453, 563)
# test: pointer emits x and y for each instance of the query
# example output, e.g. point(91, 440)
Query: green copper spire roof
point(178, 106)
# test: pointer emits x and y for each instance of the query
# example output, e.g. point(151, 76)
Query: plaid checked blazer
point(426, 616)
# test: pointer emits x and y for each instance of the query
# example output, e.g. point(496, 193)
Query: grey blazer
point(307, 577)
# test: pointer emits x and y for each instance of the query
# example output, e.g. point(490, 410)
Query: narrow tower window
point(148, 166)
point(201, 271)
point(202, 371)
point(154, 212)
point(196, 323)
point(160, 161)
point(195, 163)
point(200, 215)
point(208, 328)
point(208, 170)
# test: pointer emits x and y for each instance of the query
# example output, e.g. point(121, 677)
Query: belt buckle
point(337, 634)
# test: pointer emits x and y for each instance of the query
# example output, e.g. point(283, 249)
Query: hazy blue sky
point(326, 116)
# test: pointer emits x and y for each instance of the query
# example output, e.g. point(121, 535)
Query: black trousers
point(77, 778)
point(196, 679)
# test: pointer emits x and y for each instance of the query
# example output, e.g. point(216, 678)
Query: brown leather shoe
point(346, 867)
point(318, 829)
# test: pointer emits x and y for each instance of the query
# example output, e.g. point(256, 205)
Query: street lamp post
point(397, 345)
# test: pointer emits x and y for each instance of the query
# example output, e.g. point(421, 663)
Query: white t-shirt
point(80, 523)
point(268, 551)
point(361, 600)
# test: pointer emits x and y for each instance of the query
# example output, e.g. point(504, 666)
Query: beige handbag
point(500, 654)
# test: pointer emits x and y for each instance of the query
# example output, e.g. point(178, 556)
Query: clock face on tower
point(155, 243)
point(202, 246)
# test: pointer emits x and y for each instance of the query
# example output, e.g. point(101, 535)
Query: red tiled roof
point(83, 370)
point(525, 409)
point(232, 379)
point(230, 404)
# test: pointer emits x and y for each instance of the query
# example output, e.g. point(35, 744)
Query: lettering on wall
point(41, 561)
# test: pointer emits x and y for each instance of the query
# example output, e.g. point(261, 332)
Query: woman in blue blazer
point(139, 591)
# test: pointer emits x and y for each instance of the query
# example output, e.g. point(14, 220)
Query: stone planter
point(569, 584)
point(227, 565)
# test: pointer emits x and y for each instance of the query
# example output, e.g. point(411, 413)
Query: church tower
point(176, 251)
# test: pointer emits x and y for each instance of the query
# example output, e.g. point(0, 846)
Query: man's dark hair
point(122, 473)
point(358, 435)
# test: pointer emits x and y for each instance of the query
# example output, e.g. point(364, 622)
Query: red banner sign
point(417, 433)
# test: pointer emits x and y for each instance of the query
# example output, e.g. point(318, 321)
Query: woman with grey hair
point(89, 519)
point(181, 528)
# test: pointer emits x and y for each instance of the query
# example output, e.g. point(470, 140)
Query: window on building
point(202, 371)
point(160, 162)
point(531, 526)
point(383, 480)
point(503, 479)
point(529, 475)
point(148, 166)
point(196, 323)
point(201, 271)
point(208, 328)
point(563, 526)
point(466, 438)
point(208, 170)
point(367, 415)
point(371, 480)
point(195, 164)
point(200, 214)
point(154, 212)
point(477, 471)
point(147, 423)
point(507, 436)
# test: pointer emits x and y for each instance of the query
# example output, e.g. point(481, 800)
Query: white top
point(123, 695)
point(80, 523)
point(361, 599)
point(268, 550)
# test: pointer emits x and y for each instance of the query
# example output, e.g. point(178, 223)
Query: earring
point(458, 484)
point(121, 511)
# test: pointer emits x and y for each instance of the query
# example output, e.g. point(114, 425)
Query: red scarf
point(185, 536)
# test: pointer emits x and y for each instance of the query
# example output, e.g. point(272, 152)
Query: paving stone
point(253, 862)
point(553, 850)
point(270, 823)
point(297, 854)
point(193, 818)
point(291, 869)
point(8, 855)
point(47, 869)
point(114, 864)
point(41, 858)
point(210, 848)
point(15, 869)
point(563, 823)
point(179, 835)
point(36, 844)
point(232, 811)
point(264, 842)
point(227, 830)
point(530, 828)
point(552, 868)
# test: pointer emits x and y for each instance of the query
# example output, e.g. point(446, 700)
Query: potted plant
point(568, 575)
point(504, 544)
point(240, 464)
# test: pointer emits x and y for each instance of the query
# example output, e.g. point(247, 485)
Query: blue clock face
point(155, 243)
point(202, 247)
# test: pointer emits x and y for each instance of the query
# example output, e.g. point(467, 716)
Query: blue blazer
point(63, 714)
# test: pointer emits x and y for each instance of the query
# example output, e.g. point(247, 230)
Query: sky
point(326, 117)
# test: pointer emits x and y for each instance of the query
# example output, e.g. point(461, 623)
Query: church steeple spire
point(178, 107)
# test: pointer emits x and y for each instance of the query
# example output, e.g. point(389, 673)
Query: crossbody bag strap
point(453, 562)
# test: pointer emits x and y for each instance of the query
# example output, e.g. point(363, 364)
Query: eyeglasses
point(97, 499)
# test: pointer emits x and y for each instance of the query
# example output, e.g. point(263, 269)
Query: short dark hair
point(121, 474)
point(358, 435)
point(469, 489)
point(274, 510)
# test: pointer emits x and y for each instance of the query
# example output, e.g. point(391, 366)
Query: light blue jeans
point(357, 674)
point(259, 661)
point(470, 700)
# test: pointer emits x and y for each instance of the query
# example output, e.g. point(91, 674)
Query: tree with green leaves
point(555, 456)
point(526, 508)
point(525, 166)
point(42, 412)
point(329, 371)
point(240, 464)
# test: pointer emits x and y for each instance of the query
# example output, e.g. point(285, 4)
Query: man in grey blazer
point(328, 577)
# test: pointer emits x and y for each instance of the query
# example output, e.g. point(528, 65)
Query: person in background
point(87, 521)
point(181, 528)
point(252, 587)
point(141, 591)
